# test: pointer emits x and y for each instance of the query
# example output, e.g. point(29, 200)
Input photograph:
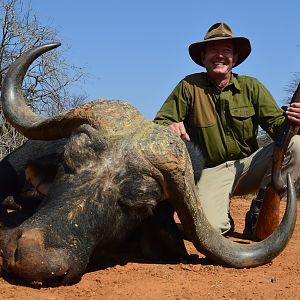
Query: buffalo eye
point(140, 193)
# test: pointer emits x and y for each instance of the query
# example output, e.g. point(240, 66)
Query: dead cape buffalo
point(112, 170)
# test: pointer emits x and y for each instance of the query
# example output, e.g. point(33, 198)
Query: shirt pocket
point(242, 121)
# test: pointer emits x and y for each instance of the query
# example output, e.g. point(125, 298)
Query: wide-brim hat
point(221, 31)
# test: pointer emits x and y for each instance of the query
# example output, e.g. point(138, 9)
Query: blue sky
point(137, 50)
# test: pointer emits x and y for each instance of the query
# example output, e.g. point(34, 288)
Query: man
point(221, 111)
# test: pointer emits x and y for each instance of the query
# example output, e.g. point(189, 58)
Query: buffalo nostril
point(11, 249)
point(33, 260)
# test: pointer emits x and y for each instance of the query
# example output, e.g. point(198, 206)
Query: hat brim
point(241, 44)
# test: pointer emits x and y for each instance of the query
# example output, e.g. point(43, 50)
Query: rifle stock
point(268, 218)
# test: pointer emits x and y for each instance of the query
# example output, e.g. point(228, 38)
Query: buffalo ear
point(197, 159)
point(85, 145)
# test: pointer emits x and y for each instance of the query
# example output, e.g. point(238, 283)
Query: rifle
point(268, 218)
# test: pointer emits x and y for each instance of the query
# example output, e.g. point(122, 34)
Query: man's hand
point(293, 113)
point(179, 129)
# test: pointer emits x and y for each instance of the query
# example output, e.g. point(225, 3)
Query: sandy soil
point(127, 276)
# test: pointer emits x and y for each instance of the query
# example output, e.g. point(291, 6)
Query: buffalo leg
point(161, 238)
point(9, 180)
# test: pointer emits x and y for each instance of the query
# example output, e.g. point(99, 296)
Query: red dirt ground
point(126, 276)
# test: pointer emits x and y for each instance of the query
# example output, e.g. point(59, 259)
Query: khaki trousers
point(240, 177)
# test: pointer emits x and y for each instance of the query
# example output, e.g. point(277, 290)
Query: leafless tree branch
point(49, 79)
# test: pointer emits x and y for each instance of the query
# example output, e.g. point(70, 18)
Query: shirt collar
point(234, 80)
point(233, 83)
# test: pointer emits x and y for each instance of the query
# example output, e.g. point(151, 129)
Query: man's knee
point(222, 225)
point(291, 161)
point(293, 152)
point(294, 147)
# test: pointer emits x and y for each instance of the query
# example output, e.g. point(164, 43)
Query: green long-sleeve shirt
point(223, 123)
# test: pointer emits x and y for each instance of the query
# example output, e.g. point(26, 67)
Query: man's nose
point(220, 53)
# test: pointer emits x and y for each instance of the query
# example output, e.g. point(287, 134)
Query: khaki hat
point(220, 31)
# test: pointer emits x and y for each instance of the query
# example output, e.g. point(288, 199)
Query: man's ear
point(235, 58)
point(202, 55)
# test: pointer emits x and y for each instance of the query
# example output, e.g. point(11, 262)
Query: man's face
point(219, 58)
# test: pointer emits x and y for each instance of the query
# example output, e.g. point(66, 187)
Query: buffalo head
point(115, 168)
